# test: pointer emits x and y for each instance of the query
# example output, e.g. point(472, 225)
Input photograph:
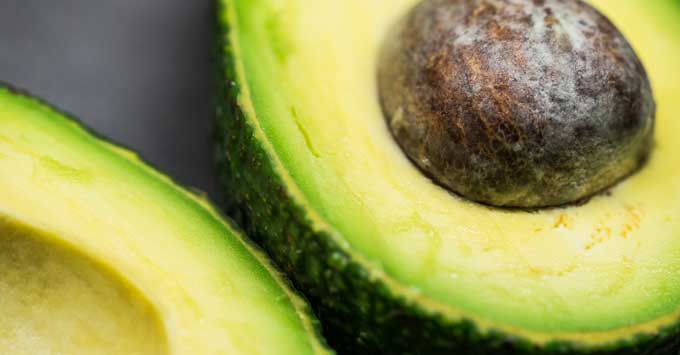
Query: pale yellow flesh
point(597, 272)
point(57, 301)
point(212, 293)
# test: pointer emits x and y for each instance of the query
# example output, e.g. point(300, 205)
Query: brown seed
point(516, 103)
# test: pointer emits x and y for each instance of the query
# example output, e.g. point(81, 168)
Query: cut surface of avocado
point(299, 80)
point(101, 254)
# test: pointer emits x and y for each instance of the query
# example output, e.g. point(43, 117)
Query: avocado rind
point(359, 311)
point(306, 318)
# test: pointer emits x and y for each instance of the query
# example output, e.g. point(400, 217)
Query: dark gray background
point(136, 71)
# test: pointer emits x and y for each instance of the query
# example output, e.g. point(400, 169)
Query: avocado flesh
point(593, 274)
point(101, 254)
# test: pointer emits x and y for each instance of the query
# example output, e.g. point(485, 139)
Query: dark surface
point(136, 71)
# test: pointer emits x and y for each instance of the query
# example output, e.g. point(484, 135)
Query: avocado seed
point(516, 103)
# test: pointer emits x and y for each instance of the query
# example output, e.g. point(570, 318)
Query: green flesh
point(100, 254)
point(591, 275)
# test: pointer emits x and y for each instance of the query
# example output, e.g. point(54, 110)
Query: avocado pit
point(516, 103)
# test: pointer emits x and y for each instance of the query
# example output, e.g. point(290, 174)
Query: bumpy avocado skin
point(359, 313)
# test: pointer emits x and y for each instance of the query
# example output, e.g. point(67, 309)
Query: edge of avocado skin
point(298, 301)
point(359, 313)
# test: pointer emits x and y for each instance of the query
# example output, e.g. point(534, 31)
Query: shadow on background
point(137, 71)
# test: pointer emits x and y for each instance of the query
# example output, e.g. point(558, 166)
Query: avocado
point(393, 262)
point(101, 254)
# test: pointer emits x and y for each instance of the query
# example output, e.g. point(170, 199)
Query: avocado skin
point(305, 310)
point(359, 314)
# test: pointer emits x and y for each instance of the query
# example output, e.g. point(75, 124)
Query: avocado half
point(101, 254)
point(392, 262)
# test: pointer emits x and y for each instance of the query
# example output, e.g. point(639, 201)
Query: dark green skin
point(359, 314)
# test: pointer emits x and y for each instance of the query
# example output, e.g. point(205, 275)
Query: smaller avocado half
point(101, 254)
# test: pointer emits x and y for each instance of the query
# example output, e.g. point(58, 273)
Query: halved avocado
point(394, 263)
point(101, 254)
